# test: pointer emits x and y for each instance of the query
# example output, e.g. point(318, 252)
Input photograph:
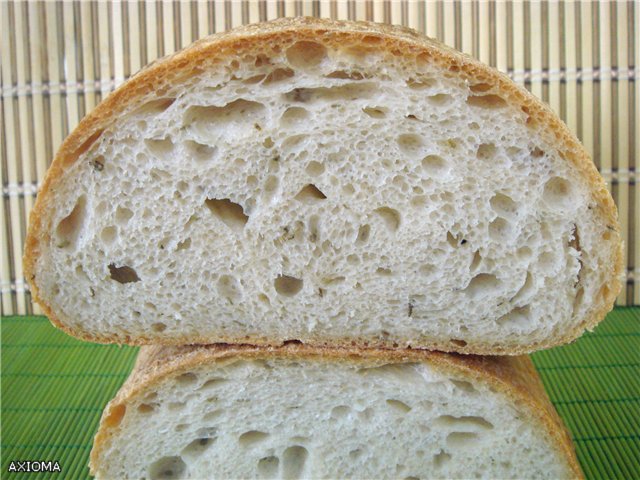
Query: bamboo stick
point(634, 38)
point(571, 65)
point(620, 162)
point(502, 39)
point(26, 175)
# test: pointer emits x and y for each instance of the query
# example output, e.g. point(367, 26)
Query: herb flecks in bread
point(297, 412)
point(335, 183)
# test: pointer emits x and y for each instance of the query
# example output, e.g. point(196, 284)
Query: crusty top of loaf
point(516, 377)
point(399, 41)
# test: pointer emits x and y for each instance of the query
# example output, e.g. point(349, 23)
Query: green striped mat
point(54, 388)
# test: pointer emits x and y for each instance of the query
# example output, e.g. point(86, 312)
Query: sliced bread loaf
point(298, 412)
point(336, 183)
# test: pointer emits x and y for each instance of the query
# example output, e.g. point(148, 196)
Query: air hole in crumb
point(158, 327)
point(372, 39)
point(557, 193)
point(461, 439)
point(464, 386)
point(270, 186)
point(293, 462)
point(310, 194)
point(458, 343)
point(268, 467)
point(482, 285)
point(340, 411)
point(69, 229)
point(422, 83)
point(455, 240)
point(344, 75)
point(123, 215)
point(504, 205)
point(230, 213)
point(480, 87)
point(526, 290)
point(199, 151)
point(268, 142)
point(390, 217)
point(260, 60)
point(419, 201)
point(314, 168)
point(123, 274)
point(440, 459)
point(305, 54)
point(252, 437)
point(108, 235)
point(355, 454)
point(328, 281)
point(398, 406)
point(186, 379)
point(254, 79)
point(465, 422)
point(84, 147)
point(524, 253)
point(167, 468)
point(159, 147)
point(486, 101)
point(212, 415)
point(212, 383)
point(184, 245)
point(410, 143)
point(500, 230)
point(198, 446)
point(427, 269)
point(375, 112)
point(116, 414)
point(475, 262)
point(434, 165)
point(278, 75)
point(294, 116)
point(516, 317)
point(577, 301)
point(145, 408)
point(154, 107)
point(385, 272)
point(363, 234)
point(439, 99)
point(486, 151)
point(207, 432)
point(537, 152)
point(229, 287)
point(287, 286)
point(233, 112)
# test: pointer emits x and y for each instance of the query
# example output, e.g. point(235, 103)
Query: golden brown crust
point(515, 377)
point(396, 40)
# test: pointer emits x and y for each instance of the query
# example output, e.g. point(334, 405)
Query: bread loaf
point(298, 412)
point(330, 182)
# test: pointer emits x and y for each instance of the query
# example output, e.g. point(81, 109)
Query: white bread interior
point(288, 414)
point(328, 182)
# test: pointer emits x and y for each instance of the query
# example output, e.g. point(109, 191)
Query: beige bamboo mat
point(59, 59)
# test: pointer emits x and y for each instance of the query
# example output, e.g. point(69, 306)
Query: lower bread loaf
point(299, 412)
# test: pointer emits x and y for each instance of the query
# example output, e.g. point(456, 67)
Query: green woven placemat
point(55, 387)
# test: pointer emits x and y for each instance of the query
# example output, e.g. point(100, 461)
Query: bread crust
point(516, 377)
point(251, 39)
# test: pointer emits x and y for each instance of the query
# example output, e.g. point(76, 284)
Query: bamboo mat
point(59, 59)
point(54, 388)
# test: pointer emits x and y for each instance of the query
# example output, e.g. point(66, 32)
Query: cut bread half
point(331, 182)
point(299, 412)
